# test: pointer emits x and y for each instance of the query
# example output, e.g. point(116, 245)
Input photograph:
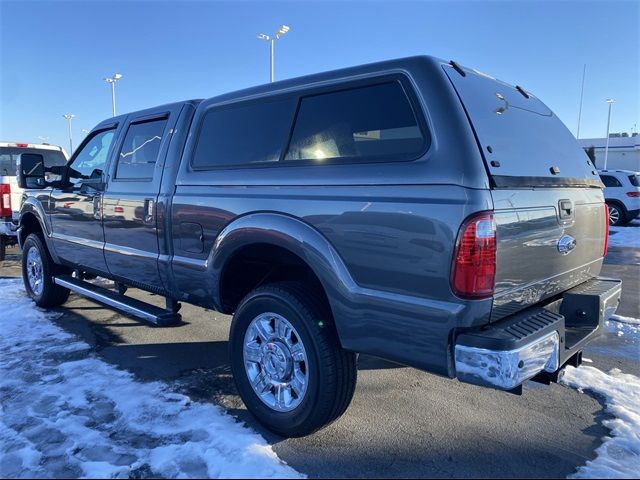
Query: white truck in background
point(10, 193)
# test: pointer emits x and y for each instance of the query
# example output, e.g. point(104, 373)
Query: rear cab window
point(523, 142)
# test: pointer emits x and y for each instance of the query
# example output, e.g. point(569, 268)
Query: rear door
point(547, 195)
point(130, 200)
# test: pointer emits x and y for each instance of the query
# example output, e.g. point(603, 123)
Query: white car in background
point(622, 194)
point(10, 193)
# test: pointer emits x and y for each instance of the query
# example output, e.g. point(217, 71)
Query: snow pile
point(624, 326)
point(65, 413)
point(627, 236)
point(619, 455)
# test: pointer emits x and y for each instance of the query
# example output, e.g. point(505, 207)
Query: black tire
point(51, 295)
point(617, 211)
point(3, 248)
point(332, 371)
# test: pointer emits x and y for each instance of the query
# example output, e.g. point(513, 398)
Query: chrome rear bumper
point(507, 369)
point(536, 340)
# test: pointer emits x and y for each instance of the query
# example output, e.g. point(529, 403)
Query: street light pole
point(69, 117)
point(584, 71)
point(606, 148)
point(272, 41)
point(272, 77)
point(112, 80)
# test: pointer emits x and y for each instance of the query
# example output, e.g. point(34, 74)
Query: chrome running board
point(150, 313)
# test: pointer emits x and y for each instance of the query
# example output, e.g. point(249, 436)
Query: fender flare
point(291, 234)
point(32, 206)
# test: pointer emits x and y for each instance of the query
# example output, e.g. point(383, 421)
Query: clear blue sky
point(54, 54)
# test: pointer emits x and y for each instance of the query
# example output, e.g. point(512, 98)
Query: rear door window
point(374, 122)
point(139, 152)
point(635, 180)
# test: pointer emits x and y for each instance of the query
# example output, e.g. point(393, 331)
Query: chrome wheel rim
point(34, 271)
point(614, 215)
point(275, 362)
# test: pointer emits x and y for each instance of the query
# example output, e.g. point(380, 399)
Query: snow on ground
point(65, 413)
point(627, 236)
point(619, 455)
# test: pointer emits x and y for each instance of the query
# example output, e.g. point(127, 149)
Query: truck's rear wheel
point(287, 362)
point(38, 270)
point(3, 248)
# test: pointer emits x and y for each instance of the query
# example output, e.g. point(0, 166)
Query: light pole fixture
point(112, 80)
point(272, 41)
point(69, 117)
point(606, 147)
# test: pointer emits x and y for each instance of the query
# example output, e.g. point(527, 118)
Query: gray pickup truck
point(412, 209)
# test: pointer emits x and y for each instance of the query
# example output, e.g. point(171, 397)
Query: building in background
point(624, 151)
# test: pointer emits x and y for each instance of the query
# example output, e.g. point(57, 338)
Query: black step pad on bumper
point(515, 331)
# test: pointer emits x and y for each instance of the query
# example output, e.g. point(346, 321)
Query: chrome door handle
point(149, 210)
point(97, 207)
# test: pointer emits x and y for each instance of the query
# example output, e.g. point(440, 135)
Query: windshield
point(9, 156)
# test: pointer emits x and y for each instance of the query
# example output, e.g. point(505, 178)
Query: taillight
point(633, 194)
point(5, 200)
point(473, 273)
point(606, 230)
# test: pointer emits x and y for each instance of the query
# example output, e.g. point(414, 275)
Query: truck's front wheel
point(38, 270)
point(287, 362)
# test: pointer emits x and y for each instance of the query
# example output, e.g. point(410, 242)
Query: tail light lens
point(5, 200)
point(474, 267)
point(633, 194)
point(606, 230)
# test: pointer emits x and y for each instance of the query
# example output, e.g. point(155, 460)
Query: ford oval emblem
point(566, 244)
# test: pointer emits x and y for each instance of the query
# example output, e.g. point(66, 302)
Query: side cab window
point(89, 163)
point(140, 149)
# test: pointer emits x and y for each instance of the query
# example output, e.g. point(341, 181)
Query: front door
point(75, 206)
point(130, 199)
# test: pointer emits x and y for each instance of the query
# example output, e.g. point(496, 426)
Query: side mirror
point(30, 170)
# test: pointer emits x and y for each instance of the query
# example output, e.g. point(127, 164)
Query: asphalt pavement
point(402, 422)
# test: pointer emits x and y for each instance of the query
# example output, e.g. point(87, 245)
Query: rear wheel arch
point(297, 249)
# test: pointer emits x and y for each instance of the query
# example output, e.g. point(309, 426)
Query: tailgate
point(547, 196)
point(542, 250)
